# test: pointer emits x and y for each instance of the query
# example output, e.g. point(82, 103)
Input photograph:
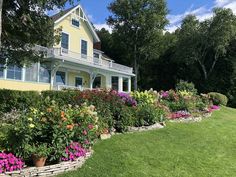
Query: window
point(60, 78)
point(1, 71)
point(75, 22)
point(44, 74)
point(95, 55)
point(31, 73)
point(65, 42)
point(125, 84)
point(78, 82)
point(115, 82)
point(84, 47)
point(97, 82)
point(14, 72)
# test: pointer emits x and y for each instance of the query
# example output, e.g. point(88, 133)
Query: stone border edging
point(191, 119)
point(50, 170)
point(145, 128)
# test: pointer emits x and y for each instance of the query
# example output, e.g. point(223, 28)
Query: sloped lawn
point(200, 149)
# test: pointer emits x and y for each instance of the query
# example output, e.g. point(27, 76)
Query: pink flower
point(90, 126)
point(85, 132)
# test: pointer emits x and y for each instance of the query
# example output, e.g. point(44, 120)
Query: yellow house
point(74, 63)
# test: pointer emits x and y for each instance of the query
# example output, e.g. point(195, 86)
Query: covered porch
point(66, 76)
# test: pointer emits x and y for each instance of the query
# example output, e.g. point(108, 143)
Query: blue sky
point(178, 9)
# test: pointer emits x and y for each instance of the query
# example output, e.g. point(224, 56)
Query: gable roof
point(61, 15)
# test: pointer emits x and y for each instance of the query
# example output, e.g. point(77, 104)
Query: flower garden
point(41, 129)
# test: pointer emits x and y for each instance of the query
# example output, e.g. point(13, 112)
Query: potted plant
point(40, 154)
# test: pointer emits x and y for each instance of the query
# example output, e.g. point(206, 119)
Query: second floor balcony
point(79, 58)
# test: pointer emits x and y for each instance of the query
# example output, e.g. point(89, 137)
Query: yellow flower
point(30, 119)
point(31, 125)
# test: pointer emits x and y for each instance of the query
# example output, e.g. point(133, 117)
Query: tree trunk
point(136, 74)
point(135, 68)
point(203, 70)
point(1, 3)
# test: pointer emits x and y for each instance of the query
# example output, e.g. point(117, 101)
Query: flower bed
point(50, 170)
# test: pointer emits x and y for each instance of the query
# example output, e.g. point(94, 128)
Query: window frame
point(117, 83)
point(81, 49)
point(14, 70)
point(57, 83)
point(74, 19)
point(68, 41)
point(81, 79)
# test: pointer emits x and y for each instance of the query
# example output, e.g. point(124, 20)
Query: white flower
point(31, 125)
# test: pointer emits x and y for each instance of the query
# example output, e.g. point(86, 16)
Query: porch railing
point(62, 87)
point(83, 59)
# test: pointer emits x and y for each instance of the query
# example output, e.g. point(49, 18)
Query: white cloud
point(103, 25)
point(202, 13)
point(54, 11)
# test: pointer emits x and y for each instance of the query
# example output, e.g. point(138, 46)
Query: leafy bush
point(148, 115)
point(19, 100)
point(186, 86)
point(218, 98)
point(144, 98)
point(62, 98)
point(125, 118)
point(55, 128)
point(108, 105)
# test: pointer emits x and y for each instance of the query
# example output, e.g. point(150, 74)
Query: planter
point(38, 161)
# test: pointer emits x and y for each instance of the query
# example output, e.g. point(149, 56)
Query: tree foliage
point(24, 24)
point(138, 24)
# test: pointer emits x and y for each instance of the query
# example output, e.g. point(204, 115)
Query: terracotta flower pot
point(38, 161)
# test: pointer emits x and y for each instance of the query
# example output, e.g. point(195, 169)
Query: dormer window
point(75, 23)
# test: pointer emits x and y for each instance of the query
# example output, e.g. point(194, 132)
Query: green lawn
point(200, 149)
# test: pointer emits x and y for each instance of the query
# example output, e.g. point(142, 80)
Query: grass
point(202, 149)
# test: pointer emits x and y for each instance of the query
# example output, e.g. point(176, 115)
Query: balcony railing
point(62, 87)
point(83, 59)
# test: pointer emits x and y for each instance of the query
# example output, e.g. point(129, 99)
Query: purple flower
point(127, 99)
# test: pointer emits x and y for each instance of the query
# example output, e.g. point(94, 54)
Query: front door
point(78, 81)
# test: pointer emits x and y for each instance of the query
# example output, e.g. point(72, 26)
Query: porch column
point(108, 82)
point(54, 70)
point(129, 85)
point(120, 84)
point(92, 77)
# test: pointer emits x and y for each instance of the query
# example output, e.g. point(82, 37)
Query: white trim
point(85, 19)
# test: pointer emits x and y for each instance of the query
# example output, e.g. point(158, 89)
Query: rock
point(105, 136)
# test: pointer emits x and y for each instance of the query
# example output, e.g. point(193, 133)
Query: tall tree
point(139, 24)
point(1, 2)
point(24, 24)
point(206, 42)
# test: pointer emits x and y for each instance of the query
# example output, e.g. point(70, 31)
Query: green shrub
point(186, 86)
point(144, 98)
point(53, 127)
point(218, 98)
point(148, 115)
point(19, 100)
point(125, 118)
point(62, 98)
